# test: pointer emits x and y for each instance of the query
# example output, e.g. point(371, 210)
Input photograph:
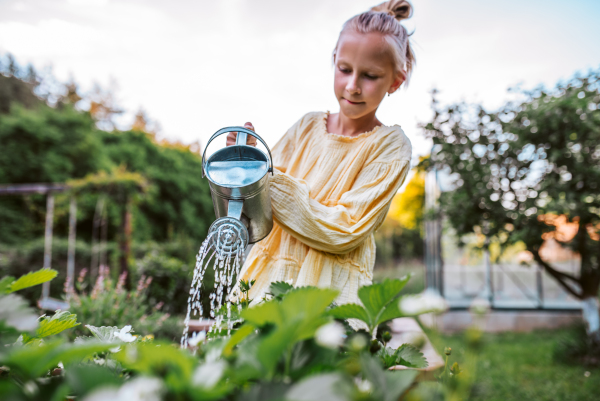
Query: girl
point(336, 174)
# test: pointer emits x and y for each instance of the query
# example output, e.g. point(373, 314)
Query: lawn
point(521, 366)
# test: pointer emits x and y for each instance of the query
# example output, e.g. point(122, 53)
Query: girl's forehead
point(364, 48)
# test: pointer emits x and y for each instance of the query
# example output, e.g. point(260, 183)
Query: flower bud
point(375, 346)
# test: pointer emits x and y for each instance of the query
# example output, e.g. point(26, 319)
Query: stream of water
point(224, 246)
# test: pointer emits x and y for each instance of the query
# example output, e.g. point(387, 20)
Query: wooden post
point(95, 228)
point(48, 241)
point(125, 241)
point(71, 251)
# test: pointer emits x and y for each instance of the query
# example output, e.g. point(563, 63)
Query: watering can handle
point(240, 138)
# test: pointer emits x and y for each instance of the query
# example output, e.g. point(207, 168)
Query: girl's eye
point(344, 70)
point(371, 77)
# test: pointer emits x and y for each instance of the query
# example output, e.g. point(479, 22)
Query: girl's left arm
point(343, 226)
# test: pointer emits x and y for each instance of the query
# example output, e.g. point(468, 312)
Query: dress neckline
point(343, 138)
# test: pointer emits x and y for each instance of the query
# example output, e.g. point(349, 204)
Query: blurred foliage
point(108, 303)
point(170, 264)
point(58, 142)
point(516, 173)
point(400, 237)
point(294, 351)
point(171, 280)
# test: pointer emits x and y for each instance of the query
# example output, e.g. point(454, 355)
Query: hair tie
point(399, 9)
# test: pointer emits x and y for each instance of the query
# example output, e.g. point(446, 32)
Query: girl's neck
point(340, 124)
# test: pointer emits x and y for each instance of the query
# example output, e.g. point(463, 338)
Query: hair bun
point(399, 9)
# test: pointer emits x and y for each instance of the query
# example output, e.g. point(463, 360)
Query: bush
point(169, 264)
point(109, 304)
point(171, 280)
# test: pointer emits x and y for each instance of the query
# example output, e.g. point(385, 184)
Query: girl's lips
point(351, 102)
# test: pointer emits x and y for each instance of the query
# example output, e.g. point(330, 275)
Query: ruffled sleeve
point(340, 226)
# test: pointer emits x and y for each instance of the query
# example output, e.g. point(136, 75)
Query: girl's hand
point(232, 136)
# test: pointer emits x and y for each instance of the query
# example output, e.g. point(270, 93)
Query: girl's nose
point(353, 87)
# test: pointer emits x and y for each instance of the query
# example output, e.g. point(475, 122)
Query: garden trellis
point(50, 189)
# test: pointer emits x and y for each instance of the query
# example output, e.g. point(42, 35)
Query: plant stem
point(288, 362)
point(446, 370)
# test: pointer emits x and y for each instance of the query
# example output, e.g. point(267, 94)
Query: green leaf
point(83, 379)
point(280, 288)
point(273, 346)
point(307, 302)
point(397, 383)
point(388, 356)
point(61, 321)
point(171, 363)
point(387, 386)
point(265, 313)
point(408, 355)
point(237, 337)
point(327, 386)
point(104, 333)
point(5, 284)
point(61, 393)
point(376, 297)
point(34, 361)
point(391, 311)
point(351, 311)
point(33, 278)
point(295, 318)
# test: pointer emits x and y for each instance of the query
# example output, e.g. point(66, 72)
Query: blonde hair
point(385, 18)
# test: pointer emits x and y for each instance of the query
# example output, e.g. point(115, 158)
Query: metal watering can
point(238, 177)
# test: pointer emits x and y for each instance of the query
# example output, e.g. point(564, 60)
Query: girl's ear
point(400, 78)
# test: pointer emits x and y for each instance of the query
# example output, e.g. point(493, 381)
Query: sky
point(197, 66)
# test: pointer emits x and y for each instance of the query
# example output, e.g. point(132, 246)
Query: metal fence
point(508, 285)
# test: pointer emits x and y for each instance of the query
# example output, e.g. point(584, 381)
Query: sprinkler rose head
point(228, 236)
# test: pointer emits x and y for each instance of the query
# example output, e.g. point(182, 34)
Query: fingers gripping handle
point(242, 135)
point(241, 138)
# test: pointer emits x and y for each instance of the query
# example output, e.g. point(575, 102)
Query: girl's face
point(364, 73)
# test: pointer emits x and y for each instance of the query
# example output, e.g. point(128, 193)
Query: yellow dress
point(329, 194)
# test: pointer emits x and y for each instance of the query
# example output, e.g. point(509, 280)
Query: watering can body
point(238, 177)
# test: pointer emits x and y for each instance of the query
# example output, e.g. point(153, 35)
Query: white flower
point(425, 302)
point(124, 334)
point(364, 386)
point(209, 374)
point(290, 281)
point(197, 338)
point(330, 335)
point(138, 389)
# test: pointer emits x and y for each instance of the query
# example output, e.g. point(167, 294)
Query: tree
point(43, 144)
point(13, 89)
point(516, 170)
